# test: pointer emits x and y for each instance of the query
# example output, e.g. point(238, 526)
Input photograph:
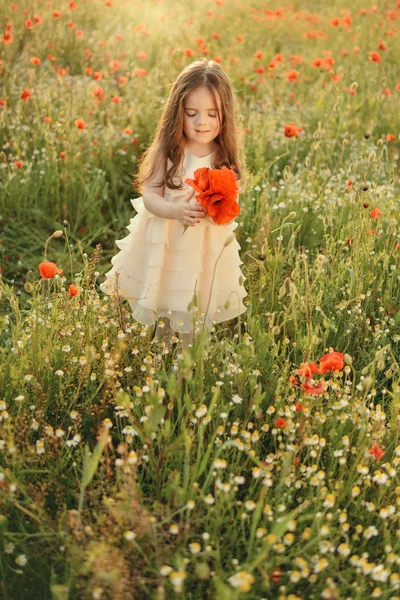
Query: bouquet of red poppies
point(217, 193)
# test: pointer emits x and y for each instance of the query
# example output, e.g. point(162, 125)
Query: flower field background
point(262, 463)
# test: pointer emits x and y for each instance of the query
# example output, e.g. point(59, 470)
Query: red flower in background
point(331, 362)
point(48, 270)
point(375, 213)
point(308, 369)
point(73, 290)
point(312, 390)
point(376, 451)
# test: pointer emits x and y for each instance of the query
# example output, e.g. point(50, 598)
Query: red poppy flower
point(374, 57)
point(80, 124)
point(48, 270)
point(290, 130)
point(375, 213)
point(281, 423)
point(217, 192)
point(140, 72)
point(312, 390)
point(308, 369)
point(331, 362)
point(73, 290)
point(376, 451)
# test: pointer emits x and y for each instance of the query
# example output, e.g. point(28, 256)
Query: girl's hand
point(188, 213)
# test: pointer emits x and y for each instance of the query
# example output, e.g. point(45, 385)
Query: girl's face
point(200, 120)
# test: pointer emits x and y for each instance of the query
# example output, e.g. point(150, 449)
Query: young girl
point(162, 272)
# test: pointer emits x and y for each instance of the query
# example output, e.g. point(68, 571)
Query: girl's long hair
point(169, 137)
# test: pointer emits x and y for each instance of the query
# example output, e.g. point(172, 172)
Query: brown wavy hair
point(169, 137)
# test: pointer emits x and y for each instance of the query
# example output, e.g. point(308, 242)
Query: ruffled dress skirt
point(158, 270)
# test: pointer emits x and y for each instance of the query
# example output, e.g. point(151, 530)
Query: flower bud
point(58, 233)
point(348, 360)
point(379, 143)
point(366, 383)
point(372, 156)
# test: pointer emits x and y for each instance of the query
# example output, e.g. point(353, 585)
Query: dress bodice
point(189, 166)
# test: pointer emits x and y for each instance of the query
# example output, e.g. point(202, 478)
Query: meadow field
point(263, 463)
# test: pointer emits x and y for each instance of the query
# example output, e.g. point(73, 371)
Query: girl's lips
point(198, 131)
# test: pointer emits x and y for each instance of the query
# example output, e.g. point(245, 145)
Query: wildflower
point(242, 580)
point(48, 270)
point(165, 570)
point(331, 362)
point(130, 536)
point(237, 399)
point(311, 390)
point(374, 57)
point(209, 499)
point(380, 477)
point(195, 548)
point(174, 529)
point(320, 565)
point(21, 560)
point(281, 423)
point(308, 369)
point(25, 95)
point(177, 578)
point(329, 501)
point(376, 452)
point(75, 441)
point(220, 463)
point(290, 130)
point(73, 290)
point(375, 213)
point(80, 124)
point(370, 531)
point(39, 447)
point(260, 532)
point(343, 549)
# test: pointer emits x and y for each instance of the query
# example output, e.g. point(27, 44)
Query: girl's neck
point(201, 150)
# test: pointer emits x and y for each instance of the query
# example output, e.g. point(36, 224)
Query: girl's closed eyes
point(189, 115)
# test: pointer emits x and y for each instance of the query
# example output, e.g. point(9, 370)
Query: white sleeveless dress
point(159, 269)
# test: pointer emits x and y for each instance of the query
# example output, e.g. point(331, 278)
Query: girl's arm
point(153, 196)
